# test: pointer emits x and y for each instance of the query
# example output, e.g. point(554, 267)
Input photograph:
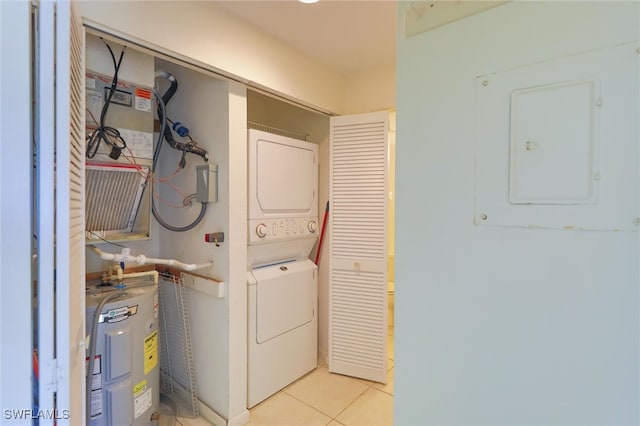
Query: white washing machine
point(282, 283)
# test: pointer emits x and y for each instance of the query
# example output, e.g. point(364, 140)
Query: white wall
point(201, 104)
point(501, 325)
point(207, 33)
point(15, 214)
point(238, 413)
point(217, 121)
point(371, 90)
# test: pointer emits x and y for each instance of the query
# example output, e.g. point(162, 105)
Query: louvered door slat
point(358, 281)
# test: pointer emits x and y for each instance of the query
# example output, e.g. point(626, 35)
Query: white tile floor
point(184, 421)
point(323, 398)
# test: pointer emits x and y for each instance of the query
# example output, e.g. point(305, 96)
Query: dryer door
point(285, 298)
point(283, 177)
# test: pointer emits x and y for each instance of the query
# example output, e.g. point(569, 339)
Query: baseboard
point(241, 419)
point(210, 415)
point(203, 409)
point(323, 357)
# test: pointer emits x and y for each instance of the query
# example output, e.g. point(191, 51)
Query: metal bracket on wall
point(215, 237)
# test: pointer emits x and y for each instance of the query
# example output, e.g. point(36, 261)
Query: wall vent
point(113, 193)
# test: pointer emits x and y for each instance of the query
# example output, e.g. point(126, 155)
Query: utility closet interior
point(199, 221)
point(204, 210)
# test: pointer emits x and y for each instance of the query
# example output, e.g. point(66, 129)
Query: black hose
point(166, 133)
point(162, 116)
point(173, 87)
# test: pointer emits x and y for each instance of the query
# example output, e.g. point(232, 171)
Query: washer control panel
point(261, 230)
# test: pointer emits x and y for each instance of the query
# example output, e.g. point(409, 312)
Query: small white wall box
point(207, 183)
point(553, 138)
point(557, 143)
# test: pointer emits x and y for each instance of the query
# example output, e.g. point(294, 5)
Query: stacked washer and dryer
point(282, 282)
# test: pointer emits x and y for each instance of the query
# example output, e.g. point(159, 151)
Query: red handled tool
point(324, 226)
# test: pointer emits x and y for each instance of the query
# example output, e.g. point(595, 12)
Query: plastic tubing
point(120, 275)
point(141, 259)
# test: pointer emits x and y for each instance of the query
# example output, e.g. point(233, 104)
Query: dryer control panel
point(272, 230)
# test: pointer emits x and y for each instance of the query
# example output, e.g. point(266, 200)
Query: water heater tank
point(126, 379)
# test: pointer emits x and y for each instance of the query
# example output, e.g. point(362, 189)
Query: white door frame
point(15, 214)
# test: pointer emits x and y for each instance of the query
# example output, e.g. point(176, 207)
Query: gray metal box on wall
point(557, 143)
point(207, 183)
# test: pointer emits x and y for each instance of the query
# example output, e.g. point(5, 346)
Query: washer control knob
point(261, 230)
point(312, 226)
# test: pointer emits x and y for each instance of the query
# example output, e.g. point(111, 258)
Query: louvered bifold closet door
point(70, 229)
point(60, 212)
point(358, 246)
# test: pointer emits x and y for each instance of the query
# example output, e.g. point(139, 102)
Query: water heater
point(126, 382)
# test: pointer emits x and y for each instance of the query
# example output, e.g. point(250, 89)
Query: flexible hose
point(162, 114)
point(166, 132)
point(161, 221)
point(163, 125)
point(92, 347)
point(173, 88)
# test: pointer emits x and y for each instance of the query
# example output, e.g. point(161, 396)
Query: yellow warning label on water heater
point(150, 351)
point(139, 388)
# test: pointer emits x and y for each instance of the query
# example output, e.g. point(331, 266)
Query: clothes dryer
point(283, 197)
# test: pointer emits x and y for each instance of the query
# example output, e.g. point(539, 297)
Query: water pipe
point(141, 259)
point(120, 275)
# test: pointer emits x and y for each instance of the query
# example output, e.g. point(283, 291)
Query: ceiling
point(347, 36)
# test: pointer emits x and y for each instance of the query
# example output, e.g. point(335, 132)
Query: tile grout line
point(307, 404)
point(367, 383)
point(351, 403)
